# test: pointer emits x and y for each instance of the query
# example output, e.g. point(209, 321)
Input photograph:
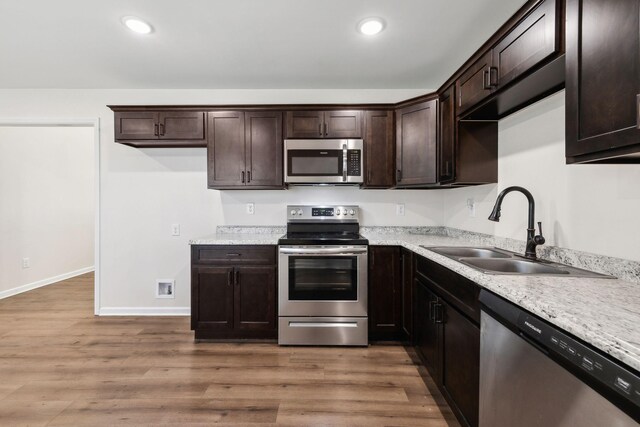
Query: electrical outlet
point(400, 209)
point(26, 263)
point(471, 207)
point(175, 229)
point(165, 288)
point(251, 208)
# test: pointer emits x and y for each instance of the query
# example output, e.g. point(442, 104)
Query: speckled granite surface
point(242, 235)
point(603, 312)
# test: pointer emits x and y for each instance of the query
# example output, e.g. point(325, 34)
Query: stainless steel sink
point(465, 252)
point(500, 261)
point(512, 265)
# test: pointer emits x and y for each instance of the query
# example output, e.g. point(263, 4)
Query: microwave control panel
point(354, 162)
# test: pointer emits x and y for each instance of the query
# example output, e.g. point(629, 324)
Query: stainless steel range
point(322, 278)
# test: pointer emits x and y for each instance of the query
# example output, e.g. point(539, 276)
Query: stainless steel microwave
point(323, 161)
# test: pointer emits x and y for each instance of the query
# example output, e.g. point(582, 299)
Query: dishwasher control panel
point(614, 376)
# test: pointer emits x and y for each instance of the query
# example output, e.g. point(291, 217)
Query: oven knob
point(352, 212)
point(337, 211)
point(300, 212)
point(293, 212)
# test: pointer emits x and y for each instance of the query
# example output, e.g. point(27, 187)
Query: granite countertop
point(602, 312)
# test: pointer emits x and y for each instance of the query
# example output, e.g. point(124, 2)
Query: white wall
point(592, 208)
point(144, 191)
point(46, 204)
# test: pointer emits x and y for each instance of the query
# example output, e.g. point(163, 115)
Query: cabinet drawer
point(457, 290)
point(234, 255)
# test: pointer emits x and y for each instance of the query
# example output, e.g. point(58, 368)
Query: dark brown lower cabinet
point(447, 336)
point(385, 293)
point(406, 258)
point(427, 331)
point(235, 299)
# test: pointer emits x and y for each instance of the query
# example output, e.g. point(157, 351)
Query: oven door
point(322, 281)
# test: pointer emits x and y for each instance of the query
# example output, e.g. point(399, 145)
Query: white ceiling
point(211, 44)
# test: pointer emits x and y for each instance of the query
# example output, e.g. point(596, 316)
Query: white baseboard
point(144, 311)
point(44, 282)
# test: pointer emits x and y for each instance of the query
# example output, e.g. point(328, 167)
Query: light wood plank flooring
point(60, 365)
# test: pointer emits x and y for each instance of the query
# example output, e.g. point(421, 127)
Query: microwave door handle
point(344, 162)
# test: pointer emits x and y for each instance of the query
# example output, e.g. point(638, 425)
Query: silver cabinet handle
point(322, 251)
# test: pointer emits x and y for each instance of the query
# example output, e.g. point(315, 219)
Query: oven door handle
point(323, 251)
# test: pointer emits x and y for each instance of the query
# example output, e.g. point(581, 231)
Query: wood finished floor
point(61, 365)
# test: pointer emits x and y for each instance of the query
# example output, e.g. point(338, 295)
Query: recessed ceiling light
point(371, 26)
point(137, 25)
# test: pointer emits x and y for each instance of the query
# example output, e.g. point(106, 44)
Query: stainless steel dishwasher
point(534, 374)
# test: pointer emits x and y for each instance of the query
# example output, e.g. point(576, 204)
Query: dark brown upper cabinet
point(603, 81)
point(379, 161)
point(476, 83)
point(416, 144)
point(324, 124)
point(160, 128)
point(522, 63)
point(447, 136)
point(244, 150)
point(530, 42)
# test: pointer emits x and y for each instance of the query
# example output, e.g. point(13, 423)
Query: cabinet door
point(212, 298)
point(264, 149)
point(182, 125)
point(255, 298)
point(461, 363)
point(385, 295)
point(416, 155)
point(378, 149)
point(603, 78)
point(226, 149)
point(305, 124)
point(427, 331)
point(136, 125)
point(529, 43)
point(407, 293)
point(447, 136)
point(476, 83)
point(343, 124)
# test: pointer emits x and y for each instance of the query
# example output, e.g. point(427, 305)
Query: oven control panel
point(347, 213)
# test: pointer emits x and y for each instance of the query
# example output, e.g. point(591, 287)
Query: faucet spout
point(532, 240)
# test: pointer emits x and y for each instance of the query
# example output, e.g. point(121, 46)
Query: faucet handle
point(539, 239)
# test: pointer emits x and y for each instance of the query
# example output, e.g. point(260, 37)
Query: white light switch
point(26, 263)
point(175, 229)
point(400, 209)
point(251, 209)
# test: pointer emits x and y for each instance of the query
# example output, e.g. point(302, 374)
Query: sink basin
point(464, 252)
point(512, 266)
point(500, 261)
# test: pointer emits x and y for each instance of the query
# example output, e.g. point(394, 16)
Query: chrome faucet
point(532, 240)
